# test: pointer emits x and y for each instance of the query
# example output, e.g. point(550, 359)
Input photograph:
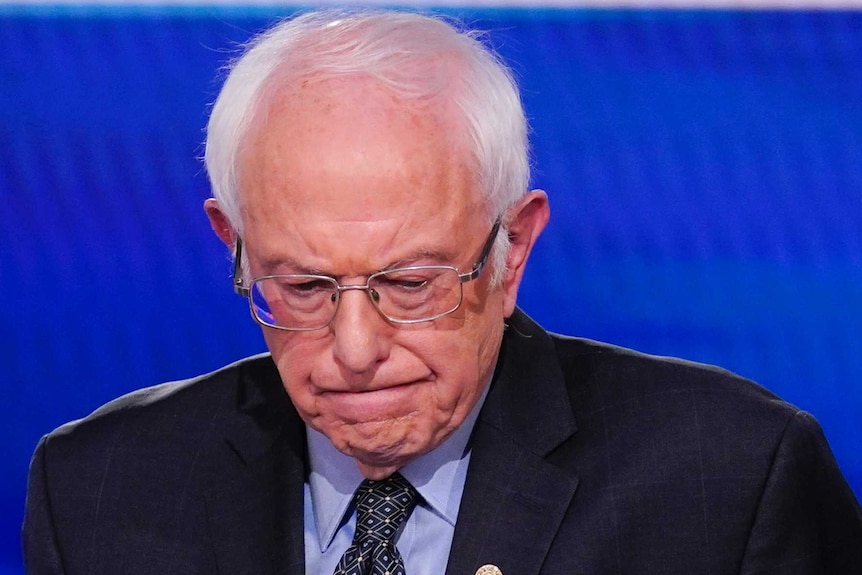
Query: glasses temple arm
point(483, 257)
point(237, 280)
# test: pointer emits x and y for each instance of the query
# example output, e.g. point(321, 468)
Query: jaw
point(380, 447)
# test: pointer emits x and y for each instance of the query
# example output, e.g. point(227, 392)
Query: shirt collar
point(438, 476)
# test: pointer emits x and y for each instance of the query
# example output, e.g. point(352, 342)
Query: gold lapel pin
point(489, 570)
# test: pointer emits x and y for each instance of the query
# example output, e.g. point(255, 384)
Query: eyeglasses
point(306, 302)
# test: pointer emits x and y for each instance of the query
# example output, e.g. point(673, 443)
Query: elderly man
point(370, 177)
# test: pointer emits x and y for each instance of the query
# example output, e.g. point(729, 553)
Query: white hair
point(411, 55)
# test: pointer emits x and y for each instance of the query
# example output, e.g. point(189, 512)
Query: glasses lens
point(297, 302)
point(417, 293)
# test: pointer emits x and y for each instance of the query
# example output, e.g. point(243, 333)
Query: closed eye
point(405, 283)
point(309, 286)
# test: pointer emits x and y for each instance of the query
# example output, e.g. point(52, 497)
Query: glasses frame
point(240, 288)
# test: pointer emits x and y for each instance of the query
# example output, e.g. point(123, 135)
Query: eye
point(410, 284)
point(307, 286)
point(405, 283)
point(303, 287)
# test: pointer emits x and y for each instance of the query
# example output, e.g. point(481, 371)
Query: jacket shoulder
point(614, 375)
point(672, 415)
point(169, 414)
point(695, 454)
point(135, 477)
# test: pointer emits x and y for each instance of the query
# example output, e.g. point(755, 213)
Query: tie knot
point(381, 507)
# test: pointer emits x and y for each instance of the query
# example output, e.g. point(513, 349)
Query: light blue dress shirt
point(425, 538)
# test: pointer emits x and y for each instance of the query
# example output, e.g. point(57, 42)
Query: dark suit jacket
point(587, 458)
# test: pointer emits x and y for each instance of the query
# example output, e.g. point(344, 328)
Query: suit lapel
point(255, 504)
point(513, 503)
point(514, 500)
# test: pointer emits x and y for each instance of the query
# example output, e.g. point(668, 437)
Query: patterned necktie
point(381, 507)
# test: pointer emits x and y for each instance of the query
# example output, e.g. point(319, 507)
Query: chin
point(382, 444)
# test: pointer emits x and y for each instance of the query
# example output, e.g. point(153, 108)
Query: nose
point(361, 336)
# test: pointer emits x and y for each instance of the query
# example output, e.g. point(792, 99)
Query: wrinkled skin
point(342, 179)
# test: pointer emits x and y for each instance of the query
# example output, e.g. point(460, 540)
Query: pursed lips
point(358, 403)
point(373, 388)
point(366, 387)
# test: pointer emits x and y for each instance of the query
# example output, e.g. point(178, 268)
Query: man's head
point(343, 144)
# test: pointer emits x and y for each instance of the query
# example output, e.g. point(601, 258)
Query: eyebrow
point(426, 254)
point(270, 265)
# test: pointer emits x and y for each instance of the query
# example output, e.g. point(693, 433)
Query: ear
point(219, 223)
point(524, 222)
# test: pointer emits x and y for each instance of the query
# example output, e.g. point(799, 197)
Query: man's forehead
point(343, 177)
point(338, 107)
point(314, 137)
point(349, 93)
point(333, 247)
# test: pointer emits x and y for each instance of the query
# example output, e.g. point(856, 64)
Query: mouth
point(372, 389)
point(373, 403)
point(336, 386)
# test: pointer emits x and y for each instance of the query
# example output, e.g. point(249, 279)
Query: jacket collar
point(514, 499)
point(255, 503)
point(513, 502)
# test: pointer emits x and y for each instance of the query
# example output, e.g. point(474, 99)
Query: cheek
point(478, 340)
point(463, 361)
point(295, 356)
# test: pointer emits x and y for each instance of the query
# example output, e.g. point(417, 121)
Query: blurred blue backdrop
point(704, 168)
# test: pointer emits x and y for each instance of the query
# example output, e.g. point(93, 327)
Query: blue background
point(704, 170)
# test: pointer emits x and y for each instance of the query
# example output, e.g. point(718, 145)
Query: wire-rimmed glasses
point(407, 295)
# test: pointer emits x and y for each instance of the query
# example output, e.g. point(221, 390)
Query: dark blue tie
point(381, 508)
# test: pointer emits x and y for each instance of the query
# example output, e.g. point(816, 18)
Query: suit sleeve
point(41, 554)
point(808, 520)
